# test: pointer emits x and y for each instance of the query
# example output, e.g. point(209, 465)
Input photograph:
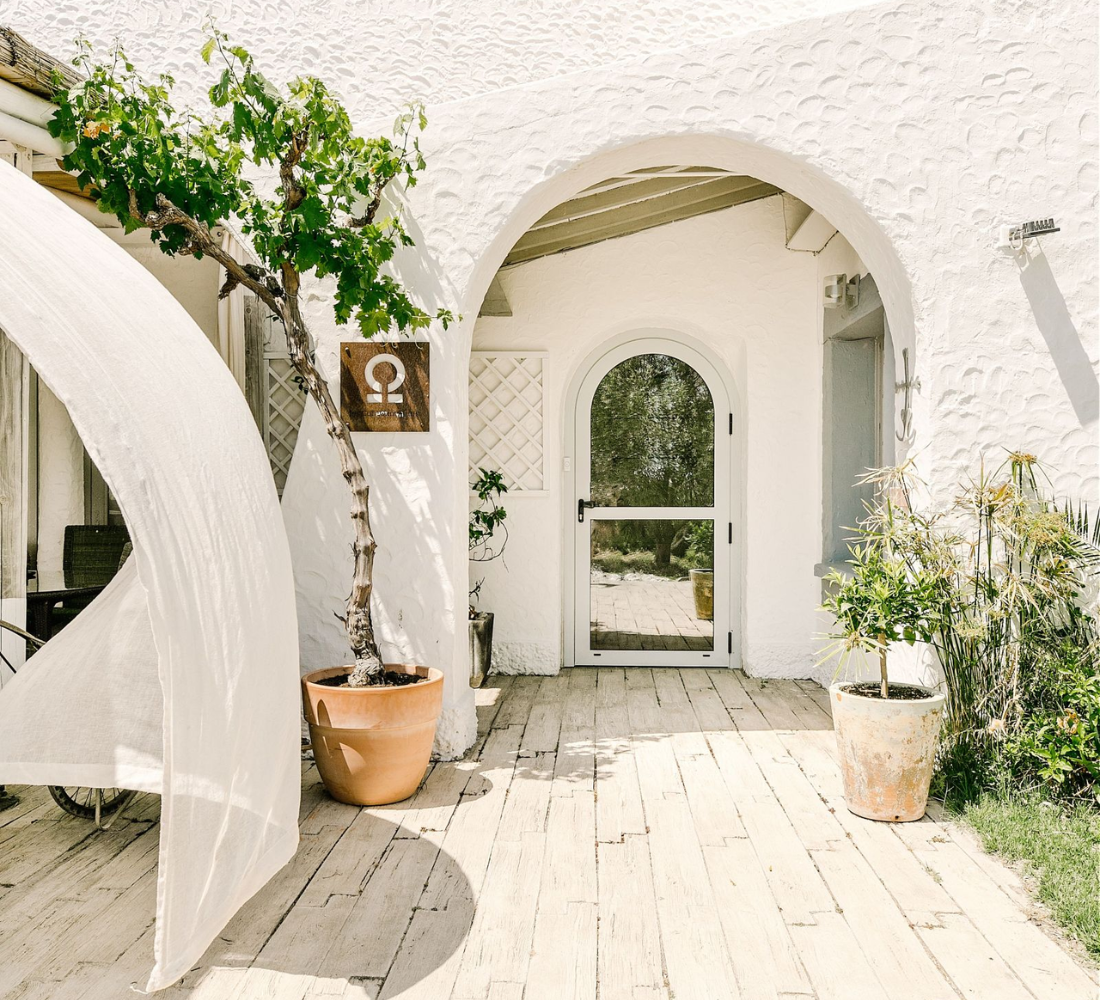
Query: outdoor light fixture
point(840, 291)
point(1014, 237)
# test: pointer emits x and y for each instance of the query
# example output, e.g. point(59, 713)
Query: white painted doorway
point(652, 501)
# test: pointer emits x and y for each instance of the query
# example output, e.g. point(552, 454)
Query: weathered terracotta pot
point(887, 749)
point(481, 647)
point(702, 591)
point(372, 745)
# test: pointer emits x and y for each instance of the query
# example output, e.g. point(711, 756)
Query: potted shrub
point(886, 733)
point(701, 550)
point(485, 518)
point(179, 174)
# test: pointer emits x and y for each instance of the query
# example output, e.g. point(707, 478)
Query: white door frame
point(727, 616)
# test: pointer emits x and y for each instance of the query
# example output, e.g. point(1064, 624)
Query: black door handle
point(581, 504)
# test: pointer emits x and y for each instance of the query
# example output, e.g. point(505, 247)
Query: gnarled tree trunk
point(357, 620)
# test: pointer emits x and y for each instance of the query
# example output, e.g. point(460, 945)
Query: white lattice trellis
point(507, 416)
point(285, 405)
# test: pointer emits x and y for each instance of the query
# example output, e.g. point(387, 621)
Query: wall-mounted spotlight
point(840, 291)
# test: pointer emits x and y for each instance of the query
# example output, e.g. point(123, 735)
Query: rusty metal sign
point(384, 386)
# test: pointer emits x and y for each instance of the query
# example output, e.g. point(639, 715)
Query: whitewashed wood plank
point(693, 943)
point(499, 946)
point(884, 934)
point(794, 880)
point(575, 766)
point(544, 721)
point(348, 863)
point(434, 802)
point(372, 933)
point(742, 709)
point(516, 708)
point(618, 796)
point(528, 798)
point(563, 955)
point(834, 962)
point(488, 700)
point(976, 970)
point(909, 882)
point(765, 961)
point(629, 944)
point(427, 963)
point(468, 841)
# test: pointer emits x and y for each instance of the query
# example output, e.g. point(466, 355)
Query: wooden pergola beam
point(31, 68)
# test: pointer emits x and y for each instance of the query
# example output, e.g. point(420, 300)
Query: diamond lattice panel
point(507, 410)
point(285, 405)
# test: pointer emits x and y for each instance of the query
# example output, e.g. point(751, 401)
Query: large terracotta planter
point(372, 745)
point(887, 749)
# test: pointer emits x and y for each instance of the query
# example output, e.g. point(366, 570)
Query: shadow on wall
point(1056, 325)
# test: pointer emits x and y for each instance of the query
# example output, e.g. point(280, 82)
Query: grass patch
point(1060, 847)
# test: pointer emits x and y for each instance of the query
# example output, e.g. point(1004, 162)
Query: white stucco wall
point(916, 127)
point(727, 282)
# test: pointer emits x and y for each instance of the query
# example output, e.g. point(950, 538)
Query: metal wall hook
point(907, 386)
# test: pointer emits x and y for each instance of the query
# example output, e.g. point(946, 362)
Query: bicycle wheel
point(81, 801)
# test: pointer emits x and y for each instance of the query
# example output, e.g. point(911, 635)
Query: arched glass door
point(653, 529)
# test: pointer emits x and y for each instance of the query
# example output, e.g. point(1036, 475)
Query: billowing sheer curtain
point(182, 676)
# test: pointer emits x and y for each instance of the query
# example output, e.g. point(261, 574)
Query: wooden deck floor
point(621, 835)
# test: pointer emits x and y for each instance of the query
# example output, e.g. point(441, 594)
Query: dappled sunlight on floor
point(651, 834)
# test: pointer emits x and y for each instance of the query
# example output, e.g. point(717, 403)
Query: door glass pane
point(652, 435)
point(652, 586)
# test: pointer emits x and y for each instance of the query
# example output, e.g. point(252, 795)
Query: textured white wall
point(916, 127)
point(727, 281)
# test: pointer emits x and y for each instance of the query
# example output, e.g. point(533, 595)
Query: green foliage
point(1001, 582)
point(700, 544)
point(883, 598)
point(652, 446)
point(487, 516)
point(652, 435)
point(880, 600)
point(137, 151)
point(1058, 745)
point(645, 562)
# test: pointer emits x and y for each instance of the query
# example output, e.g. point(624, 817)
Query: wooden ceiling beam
point(712, 196)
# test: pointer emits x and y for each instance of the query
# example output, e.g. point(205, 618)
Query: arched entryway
point(733, 268)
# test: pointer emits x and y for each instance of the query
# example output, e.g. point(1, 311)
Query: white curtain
point(182, 677)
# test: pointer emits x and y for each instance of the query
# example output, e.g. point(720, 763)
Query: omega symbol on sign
point(384, 392)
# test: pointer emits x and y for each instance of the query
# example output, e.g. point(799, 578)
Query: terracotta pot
point(887, 749)
point(372, 745)
point(702, 590)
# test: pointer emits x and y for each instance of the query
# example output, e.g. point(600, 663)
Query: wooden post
point(13, 495)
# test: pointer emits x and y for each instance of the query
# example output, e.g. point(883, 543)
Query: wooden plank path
point(613, 835)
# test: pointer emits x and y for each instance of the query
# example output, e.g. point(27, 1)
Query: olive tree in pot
point(179, 174)
point(486, 516)
point(886, 733)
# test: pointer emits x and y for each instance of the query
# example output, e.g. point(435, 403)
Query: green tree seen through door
point(652, 446)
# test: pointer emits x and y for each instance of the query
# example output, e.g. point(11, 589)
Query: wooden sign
point(384, 386)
